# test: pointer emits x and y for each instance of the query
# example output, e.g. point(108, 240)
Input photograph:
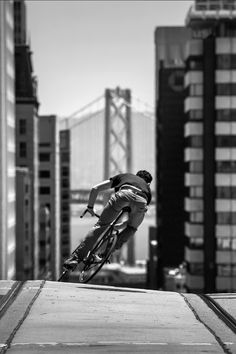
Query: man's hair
point(145, 175)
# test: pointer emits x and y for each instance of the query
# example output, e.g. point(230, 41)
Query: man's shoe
point(71, 263)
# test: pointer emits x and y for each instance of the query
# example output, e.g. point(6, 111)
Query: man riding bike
point(131, 191)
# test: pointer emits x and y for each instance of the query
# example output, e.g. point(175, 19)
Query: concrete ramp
point(52, 317)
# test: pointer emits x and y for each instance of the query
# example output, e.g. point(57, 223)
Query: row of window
point(222, 218)
point(196, 141)
point(220, 166)
point(220, 192)
point(223, 243)
point(223, 62)
point(223, 270)
point(220, 115)
point(222, 89)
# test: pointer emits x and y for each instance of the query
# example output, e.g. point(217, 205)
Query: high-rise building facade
point(210, 152)
point(170, 69)
point(7, 142)
point(49, 188)
point(65, 176)
point(27, 120)
point(24, 251)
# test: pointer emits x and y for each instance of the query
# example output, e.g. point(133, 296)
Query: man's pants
point(121, 199)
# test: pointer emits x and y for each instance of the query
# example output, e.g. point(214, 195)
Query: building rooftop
point(211, 10)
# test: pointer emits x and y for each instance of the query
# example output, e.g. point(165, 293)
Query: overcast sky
point(80, 48)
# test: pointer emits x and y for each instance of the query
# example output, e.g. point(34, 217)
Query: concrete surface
point(56, 317)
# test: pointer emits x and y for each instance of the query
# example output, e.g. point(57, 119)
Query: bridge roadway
point(51, 317)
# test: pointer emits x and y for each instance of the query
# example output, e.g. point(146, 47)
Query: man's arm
point(95, 190)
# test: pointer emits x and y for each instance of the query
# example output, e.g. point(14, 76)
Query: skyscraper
point(170, 69)
point(27, 120)
point(7, 142)
point(210, 133)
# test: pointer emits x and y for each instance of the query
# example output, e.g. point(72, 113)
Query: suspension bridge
point(114, 133)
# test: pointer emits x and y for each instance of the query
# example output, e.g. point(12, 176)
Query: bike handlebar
point(86, 211)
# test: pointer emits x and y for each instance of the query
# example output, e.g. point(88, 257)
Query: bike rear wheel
point(104, 247)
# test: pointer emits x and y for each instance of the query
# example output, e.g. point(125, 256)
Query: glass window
point(223, 243)
point(196, 192)
point(44, 174)
point(226, 166)
point(196, 217)
point(226, 192)
point(195, 114)
point(226, 218)
point(225, 140)
point(195, 268)
point(22, 126)
point(44, 190)
point(196, 90)
point(195, 166)
point(195, 141)
point(23, 149)
point(44, 156)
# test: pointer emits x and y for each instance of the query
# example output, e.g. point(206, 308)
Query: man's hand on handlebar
point(89, 210)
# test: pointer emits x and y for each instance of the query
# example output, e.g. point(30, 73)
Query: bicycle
point(104, 247)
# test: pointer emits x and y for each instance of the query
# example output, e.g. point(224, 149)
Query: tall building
point(27, 120)
point(7, 142)
point(49, 189)
point(65, 176)
point(210, 134)
point(24, 251)
point(170, 69)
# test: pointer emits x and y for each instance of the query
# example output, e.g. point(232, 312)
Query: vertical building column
point(209, 164)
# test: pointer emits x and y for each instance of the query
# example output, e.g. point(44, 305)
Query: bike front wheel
point(103, 248)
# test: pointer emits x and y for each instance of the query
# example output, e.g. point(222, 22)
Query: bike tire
point(106, 245)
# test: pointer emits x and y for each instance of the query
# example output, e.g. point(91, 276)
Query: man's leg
point(109, 213)
point(136, 217)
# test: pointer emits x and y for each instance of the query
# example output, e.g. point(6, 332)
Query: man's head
point(145, 175)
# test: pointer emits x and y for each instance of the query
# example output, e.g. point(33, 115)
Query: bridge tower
point(118, 145)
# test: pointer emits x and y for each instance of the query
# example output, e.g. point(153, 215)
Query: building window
point(44, 174)
point(65, 171)
point(225, 140)
point(226, 218)
point(195, 243)
point(226, 89)
point(226, 166)
point(22, 126)
point(196, 90)
point(44, 190)
point(226, 115)
point(23, 149)
point(226, 270)
point(44, 156)
point(196, 217)
point(195, 114)
point(196, 192)
point(226, 61)
point(226, 192)
point(195, 268)
point(195, 166)
point(65, 157)
point(195, 141)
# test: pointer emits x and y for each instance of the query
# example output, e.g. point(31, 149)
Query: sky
point(81, 48)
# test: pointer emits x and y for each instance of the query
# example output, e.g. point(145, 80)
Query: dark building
point(210, 152)
point(65, 177)
point(170, 69)
point(26, 132)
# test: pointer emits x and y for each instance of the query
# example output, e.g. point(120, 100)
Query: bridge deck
point(51, 317)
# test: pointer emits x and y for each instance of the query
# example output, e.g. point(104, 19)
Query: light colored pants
point(121, 199)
